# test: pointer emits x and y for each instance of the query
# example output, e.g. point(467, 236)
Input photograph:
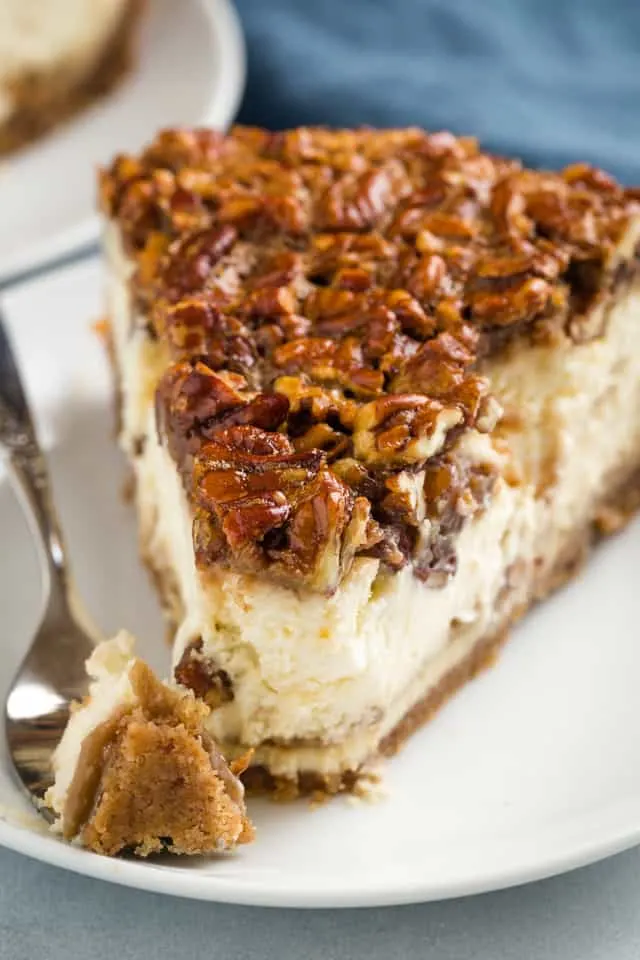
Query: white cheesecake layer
point(323, 680)
point(37, 36)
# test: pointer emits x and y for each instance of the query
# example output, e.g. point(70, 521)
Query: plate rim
point(224, 100)
point(154, 877)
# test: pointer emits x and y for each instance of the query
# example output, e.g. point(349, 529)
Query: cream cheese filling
point(317, 681)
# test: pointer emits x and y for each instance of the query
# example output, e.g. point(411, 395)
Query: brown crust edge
point(48, 98)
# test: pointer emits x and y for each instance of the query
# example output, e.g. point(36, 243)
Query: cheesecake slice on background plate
point(56, 57)
point(62, 55)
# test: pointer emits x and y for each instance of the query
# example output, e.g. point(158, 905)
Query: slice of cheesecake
point(136, 769)
point(380, 391)
point(56, 57)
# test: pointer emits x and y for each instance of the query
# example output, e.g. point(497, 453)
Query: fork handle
point(28, 468)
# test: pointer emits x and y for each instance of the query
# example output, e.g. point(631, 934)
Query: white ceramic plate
point(191, 71)
point(533, 769)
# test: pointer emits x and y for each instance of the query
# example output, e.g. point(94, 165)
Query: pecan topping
point(325, 297)
point(196, 327)
point(403, 428)
point(263, 507)
point(193, 403)
point(201, 674)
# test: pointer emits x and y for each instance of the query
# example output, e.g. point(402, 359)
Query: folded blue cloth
point(552, 81)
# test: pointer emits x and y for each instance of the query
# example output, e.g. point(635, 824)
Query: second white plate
point(190, 71)
point(533, 769)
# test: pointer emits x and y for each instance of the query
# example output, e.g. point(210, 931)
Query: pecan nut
point(193, 402)
point(402, 429)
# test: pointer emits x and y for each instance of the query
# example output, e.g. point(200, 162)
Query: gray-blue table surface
point(591, 914)
point(552, 81)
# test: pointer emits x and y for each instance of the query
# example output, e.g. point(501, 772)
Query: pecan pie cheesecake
point(55, 57)
point(137, 771)
point(380, 391)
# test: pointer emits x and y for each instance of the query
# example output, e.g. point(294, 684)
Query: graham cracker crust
point(46, 98)
point(151, 779)
point(164, 583)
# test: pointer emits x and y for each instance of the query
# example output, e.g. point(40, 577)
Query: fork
point(52, 674)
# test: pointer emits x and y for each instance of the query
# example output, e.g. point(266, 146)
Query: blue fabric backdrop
point(549, 80)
